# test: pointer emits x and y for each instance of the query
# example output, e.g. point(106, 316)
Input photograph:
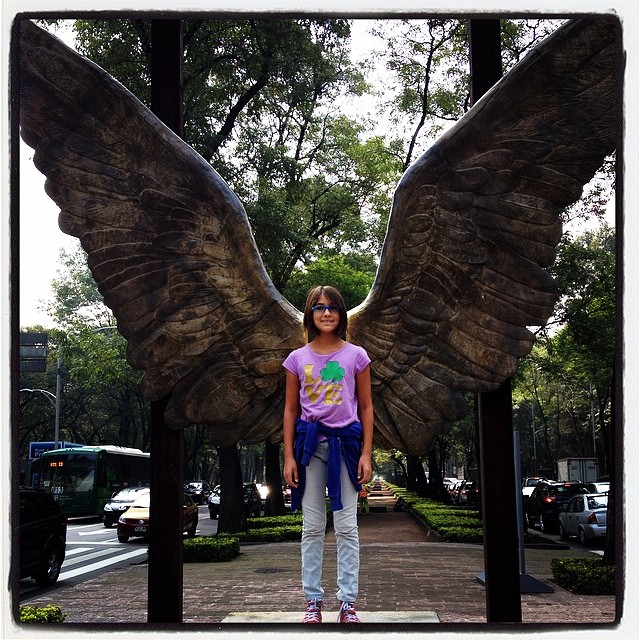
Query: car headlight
point(107, 507)
point(121, 519)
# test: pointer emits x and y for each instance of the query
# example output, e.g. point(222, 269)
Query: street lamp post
point(55, 401)
point(533, 431)
point(59, 386)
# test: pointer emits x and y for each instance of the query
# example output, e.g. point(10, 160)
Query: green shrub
point(50, 613)
point(454, 523)
point(584, 576)
point(211, 548)
point(268, 522)
point(272, 534)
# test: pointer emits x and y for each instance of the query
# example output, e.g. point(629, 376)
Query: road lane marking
point(100, 565)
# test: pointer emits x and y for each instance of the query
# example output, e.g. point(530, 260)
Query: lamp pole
point(55, 401)
point(533, 432)
point(59, 387)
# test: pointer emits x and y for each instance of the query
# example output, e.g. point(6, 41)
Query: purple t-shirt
point(328, 383)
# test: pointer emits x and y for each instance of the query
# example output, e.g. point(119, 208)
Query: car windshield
point(126, 496)
point(568, 489)
point(142, 501)
point(597, 502)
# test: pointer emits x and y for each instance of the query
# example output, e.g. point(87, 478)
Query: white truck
point(578, 470)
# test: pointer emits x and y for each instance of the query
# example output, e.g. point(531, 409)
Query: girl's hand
point(364, 469)
point(291, 472)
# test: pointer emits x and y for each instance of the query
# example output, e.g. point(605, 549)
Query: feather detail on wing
point(168, 244)
point(473, 224)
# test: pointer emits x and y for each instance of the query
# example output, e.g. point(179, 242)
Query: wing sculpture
point(474, 223)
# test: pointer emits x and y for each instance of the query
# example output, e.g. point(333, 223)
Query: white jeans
point(313, 531)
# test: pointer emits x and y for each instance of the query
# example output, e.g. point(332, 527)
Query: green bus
point(83, 479)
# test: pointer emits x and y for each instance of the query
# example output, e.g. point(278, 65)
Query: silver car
point(585, 517)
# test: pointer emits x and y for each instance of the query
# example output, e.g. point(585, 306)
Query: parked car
point(264, 492)
point(42, 534)
point(529, 484)
point(198, 491)
point(548, 500)
point(585, 517)
point(134, 522)
point(466, 489)
point(119, 503)
point(251, 497)
point(598, 487)
point(453, 490)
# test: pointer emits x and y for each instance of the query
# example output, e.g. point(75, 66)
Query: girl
point(328, 433)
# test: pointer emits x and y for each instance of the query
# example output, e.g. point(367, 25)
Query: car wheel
point(191, 531)
point(563, 533)
point(108, 523)
point(583, 537)
point(50, 567)
point(123, 538)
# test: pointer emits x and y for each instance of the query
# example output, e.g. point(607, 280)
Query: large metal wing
point(473, 224)
point(168, 244)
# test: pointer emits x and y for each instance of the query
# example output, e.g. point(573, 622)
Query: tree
point(260, 97)
point(351, 274)
point(233, 517)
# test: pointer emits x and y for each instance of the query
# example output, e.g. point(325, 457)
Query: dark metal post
point(497, 474)
point(165, 576)
point(498, 483)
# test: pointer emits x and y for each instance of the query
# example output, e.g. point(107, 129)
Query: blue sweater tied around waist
point(344, 442)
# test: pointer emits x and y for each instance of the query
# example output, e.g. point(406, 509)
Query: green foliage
point(271, 529)
point(584, 576)
point(453, 523)
point(268, 522)
point(343, 272)
point(48, 613)
point(211, 548)
point(272, 534)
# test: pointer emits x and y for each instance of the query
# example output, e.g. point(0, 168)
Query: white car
point(585, 517)
point(529, 484)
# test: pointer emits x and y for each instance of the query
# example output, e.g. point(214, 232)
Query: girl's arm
point(291, 411)
point(365, 413)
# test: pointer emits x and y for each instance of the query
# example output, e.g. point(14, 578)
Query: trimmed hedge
point(584, 576)
point(211, 548)
point(271, 534)
point(49, 613)
point(453, 523)
point(268, 522)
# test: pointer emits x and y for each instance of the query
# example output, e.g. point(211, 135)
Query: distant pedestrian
point(328, 434)
point(363, 499)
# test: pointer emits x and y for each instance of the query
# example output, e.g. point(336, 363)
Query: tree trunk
point(233, 516)
point(274, 505)
point(416, 478)
point(436, 488)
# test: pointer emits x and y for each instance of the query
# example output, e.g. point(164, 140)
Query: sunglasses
point(326, 307)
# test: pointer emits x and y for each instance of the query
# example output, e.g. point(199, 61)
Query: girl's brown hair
point(334, 298)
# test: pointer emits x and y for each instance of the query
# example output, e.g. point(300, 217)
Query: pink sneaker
point(313, 615)
point(347, 613)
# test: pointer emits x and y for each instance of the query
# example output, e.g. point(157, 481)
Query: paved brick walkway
point(403, 569)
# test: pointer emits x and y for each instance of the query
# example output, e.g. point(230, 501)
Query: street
point(93, 549)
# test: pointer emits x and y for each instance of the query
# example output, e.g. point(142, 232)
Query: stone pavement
point(407, 576)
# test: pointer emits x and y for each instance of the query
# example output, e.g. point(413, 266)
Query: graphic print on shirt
point(326, 385)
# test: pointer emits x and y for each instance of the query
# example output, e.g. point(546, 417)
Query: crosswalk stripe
point(99, 565)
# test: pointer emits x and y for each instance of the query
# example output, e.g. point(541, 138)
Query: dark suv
point(43, 536)
point(548, 500)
